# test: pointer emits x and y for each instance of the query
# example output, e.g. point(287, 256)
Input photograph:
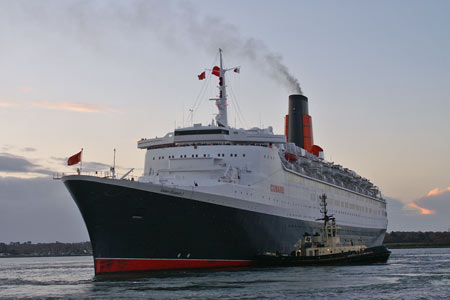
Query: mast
point(221, 102)
point(324, 210)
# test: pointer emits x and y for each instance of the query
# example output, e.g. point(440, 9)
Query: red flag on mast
point(216, 71)
point(74, 159)
point(201, 76)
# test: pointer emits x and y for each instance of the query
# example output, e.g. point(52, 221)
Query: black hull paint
point(126, 222)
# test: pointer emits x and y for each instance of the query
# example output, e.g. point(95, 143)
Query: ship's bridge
point(211, 134)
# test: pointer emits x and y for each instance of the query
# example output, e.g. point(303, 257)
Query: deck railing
point(100, 174)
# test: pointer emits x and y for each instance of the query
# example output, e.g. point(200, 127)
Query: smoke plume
point(116, 23)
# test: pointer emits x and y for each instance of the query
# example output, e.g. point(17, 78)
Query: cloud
point(10, 163)
point(28, 149)
point(438, 191)
point(95, 166)
point(7, 104)
point(73, 106)
point(88, 166)
point(7, 147)
point(423, 211)
point(38, 210)
point(429, 213)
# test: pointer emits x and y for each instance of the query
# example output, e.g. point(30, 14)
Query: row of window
point(196, 155)
point(269, 157)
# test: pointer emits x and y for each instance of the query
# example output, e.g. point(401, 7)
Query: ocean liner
point(214, 196)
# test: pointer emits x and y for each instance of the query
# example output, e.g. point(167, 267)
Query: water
point(409, 274)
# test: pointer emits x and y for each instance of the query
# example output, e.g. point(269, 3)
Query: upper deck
point(199, 134)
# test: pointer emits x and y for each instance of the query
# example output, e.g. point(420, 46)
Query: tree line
point(394, 239)
point(45, 249)
point(418, 239)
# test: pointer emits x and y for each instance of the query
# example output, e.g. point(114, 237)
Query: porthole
point(235, 155)
point(243, 155)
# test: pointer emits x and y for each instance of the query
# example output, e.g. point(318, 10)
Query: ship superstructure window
point(195, 132)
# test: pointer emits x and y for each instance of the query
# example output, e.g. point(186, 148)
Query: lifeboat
point(291, 156)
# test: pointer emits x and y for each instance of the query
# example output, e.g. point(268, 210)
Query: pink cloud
point(422, 210)
point(7, 104)
point(73, 106)
point(437, 191)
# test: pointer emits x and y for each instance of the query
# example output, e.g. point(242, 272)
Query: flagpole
point(81, 160)
point(114, 164)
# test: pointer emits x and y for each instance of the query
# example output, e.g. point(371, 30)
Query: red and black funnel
point(298, 124)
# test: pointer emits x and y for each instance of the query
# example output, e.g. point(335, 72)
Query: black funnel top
point(298, 105)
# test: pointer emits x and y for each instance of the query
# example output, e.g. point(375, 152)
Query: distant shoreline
point(415, 245)
point(28, 249)
point(31, 256)
point(392, 240)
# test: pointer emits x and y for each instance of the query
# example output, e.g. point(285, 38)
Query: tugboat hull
point(378, 254)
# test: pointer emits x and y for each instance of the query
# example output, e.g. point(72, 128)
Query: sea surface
point(409, 274)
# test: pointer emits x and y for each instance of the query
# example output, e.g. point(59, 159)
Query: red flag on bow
point(201, 76)
point(216, 71)
point(237, 70)
point(74, 159)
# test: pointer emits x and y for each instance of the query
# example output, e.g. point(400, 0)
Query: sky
point(100, 75)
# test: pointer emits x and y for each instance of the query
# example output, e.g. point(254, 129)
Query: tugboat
point(325, 248)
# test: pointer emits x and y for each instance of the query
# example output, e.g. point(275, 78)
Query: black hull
point(378, 254)
point(128, 222)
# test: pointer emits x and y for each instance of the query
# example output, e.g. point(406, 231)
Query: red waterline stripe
point(115, 265)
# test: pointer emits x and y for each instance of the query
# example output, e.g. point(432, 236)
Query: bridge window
point(195, 132)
